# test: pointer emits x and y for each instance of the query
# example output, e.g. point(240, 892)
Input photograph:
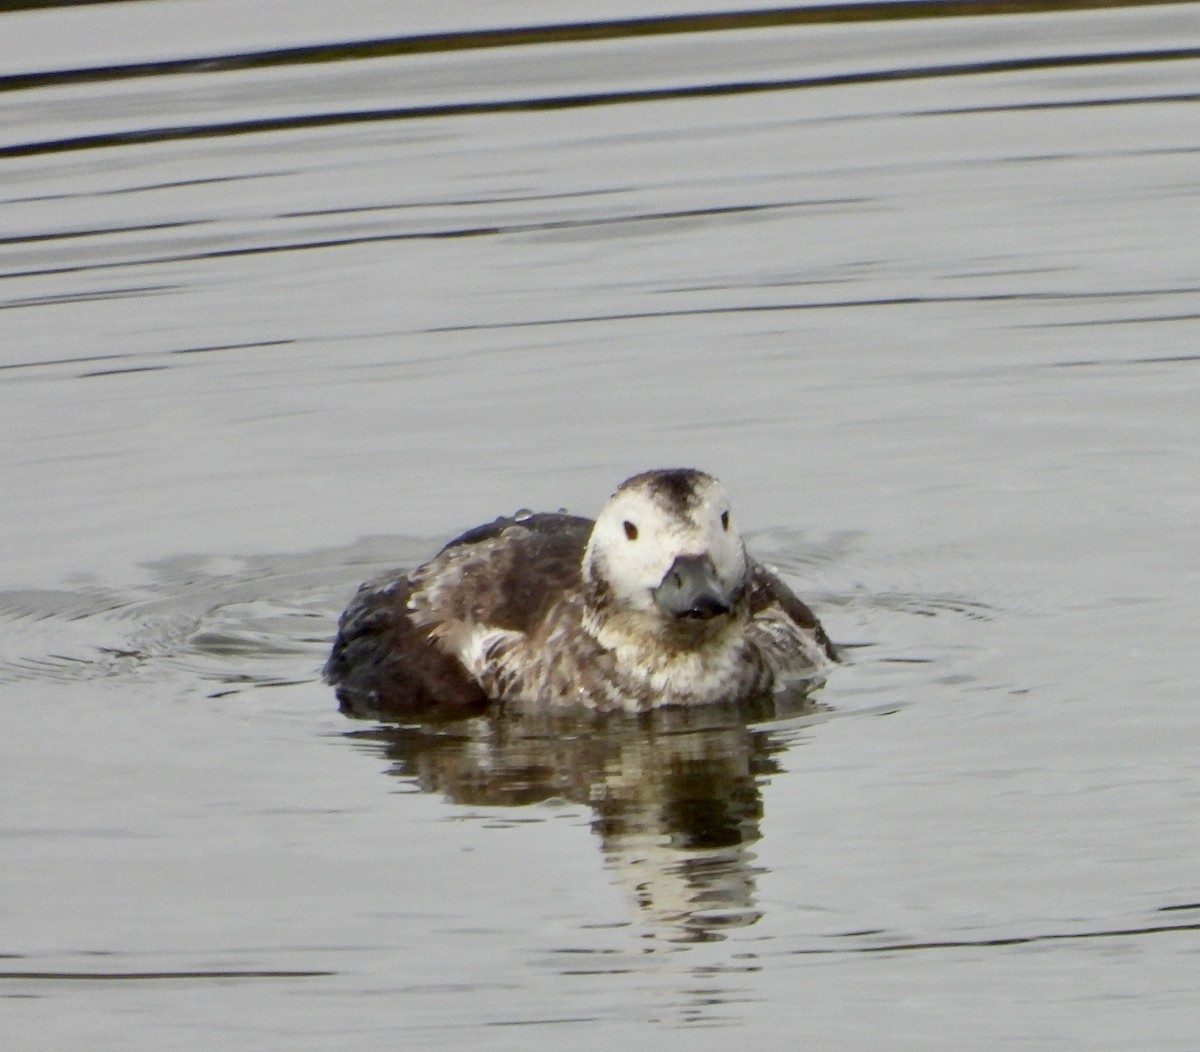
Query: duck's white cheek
point(728, 558)
point(636, 580)
point(642, 580)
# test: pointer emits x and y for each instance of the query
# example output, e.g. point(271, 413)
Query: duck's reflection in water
point(675, 794)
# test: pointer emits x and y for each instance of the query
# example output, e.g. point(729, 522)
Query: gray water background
point(287, 297)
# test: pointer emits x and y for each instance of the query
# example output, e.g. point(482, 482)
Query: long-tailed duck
point(655, 603)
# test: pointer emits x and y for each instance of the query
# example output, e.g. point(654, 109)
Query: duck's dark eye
point(630, 530)
point(725, 520)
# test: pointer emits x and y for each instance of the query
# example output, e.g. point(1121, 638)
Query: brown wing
point(766, 589)
point(504, 575)
point(508, 573)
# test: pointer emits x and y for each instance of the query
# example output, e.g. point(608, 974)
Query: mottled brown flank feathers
point(384, 665)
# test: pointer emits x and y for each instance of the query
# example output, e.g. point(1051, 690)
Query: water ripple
point(234, 624)
point(570, 32)
point(537, 104)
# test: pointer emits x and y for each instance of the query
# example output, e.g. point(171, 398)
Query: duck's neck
point(676, 662)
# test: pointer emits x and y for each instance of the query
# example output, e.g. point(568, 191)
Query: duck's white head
point(666, 546)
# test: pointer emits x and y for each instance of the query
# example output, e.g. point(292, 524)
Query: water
point(923, 292)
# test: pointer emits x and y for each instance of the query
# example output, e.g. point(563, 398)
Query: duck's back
point(398, 643)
